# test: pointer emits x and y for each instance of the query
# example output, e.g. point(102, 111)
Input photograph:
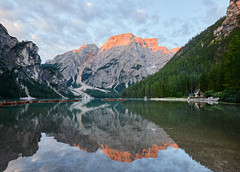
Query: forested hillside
point(207, 62)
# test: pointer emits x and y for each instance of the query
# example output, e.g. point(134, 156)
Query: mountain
point(122, 61)
point(210, 61)
point(21, 72)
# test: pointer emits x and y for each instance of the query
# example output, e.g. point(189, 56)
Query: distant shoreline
point(209, 100)
point(169, 99)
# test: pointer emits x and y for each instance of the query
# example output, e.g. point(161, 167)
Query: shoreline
point(208, 100)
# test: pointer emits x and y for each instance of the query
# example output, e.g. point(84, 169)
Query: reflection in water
point(98, 129)
point(210, 134)
point(122, 136)
point(56, 156)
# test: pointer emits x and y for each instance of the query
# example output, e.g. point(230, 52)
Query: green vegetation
point(50, 66)
point(137, 67)
point(20, 45)
point(10, 89)
point(86, 74)
point(120, 87)
point(8, 85)
point(39, 90)
point(204, 62)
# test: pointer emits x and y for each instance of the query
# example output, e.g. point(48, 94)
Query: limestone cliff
point(21, 69)
point(232, 19)
point(123, 60)
point(6, 42)
point(25, 55)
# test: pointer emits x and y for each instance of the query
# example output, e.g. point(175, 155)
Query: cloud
point(141, 16)
point(213, 14)
point(62, 25)
point(35, 37)
point(209, 3)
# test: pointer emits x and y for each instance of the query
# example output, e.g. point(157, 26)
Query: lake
point(133, 135)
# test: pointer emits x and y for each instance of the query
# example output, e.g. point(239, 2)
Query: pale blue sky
point(58, 26)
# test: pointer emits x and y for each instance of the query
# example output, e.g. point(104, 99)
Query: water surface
point(120, 136)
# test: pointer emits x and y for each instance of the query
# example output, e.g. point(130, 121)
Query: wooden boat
point(22, 102)
point(54, 101)
point(33, 101)
point(43, 101)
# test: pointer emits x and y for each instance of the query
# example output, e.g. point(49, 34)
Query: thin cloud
point(62, 25)
point(141, 16)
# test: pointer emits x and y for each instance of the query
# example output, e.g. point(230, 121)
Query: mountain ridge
point(123, 60)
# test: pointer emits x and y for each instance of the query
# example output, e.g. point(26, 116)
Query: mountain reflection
point(121, 135)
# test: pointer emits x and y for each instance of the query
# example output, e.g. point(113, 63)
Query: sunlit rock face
point(234, 8)
point(123, 60)
point(175, 50)
point(232, 19)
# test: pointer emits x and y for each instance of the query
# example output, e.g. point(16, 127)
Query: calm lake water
point(133, 135)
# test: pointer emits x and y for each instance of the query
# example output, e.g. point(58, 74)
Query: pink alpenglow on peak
point(151, 42)
point(175, 50)
point(78, 50)
point(127, 38)
point(121, 40)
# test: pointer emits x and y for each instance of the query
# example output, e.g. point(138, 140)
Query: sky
point(58, 26)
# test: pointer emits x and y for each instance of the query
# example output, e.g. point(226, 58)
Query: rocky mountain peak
point(24, 54)
point(234, 8)
point(151, 42)
point(123, 60)
point(78, 50)
point(175, 50)
point(6, 42)
point(118, 40)
point(232, 19)
point(127, 38)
